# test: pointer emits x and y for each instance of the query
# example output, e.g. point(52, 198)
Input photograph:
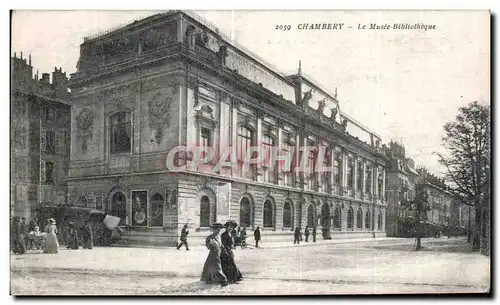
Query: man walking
point(306, 233)
point(256, 235)
point(314, 234)
point(184, 234)
point(296, 236)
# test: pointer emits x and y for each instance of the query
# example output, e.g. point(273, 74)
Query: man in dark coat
point(184, 234)
point(87, 236)
point(256, 235)
point(306, 233)
point(314, 234)
point(22, 236)
point(296, 236)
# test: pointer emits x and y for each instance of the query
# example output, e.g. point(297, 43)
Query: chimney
point(45, 80)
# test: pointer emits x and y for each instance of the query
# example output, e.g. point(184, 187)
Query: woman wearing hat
point(51, 245)
point(212, 270)
point(229, 267)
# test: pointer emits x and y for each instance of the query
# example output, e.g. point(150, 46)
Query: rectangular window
point(48, 113)
point(269, 174)
point(288, 149)
point(121, 133)
point(50, 172)
point(50, 142)
point(350, 170)
point(368, 178)
point(359, 176)
point(206, 137)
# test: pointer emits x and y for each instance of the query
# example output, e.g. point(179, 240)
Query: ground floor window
point(156, 211)
point(287, 215)
point(204, 212)
point(336, 218)
point(245, 213)
point(380, 221)
point(359, 219)
point(350, 218)
point(268, 214)
point(310, 216)
point(119, 207)
point(367, 219)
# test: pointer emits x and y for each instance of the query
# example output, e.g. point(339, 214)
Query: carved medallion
point(158, 109)
point(84, 123)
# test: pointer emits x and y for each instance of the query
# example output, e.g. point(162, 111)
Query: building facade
point(172, 80)
point(40, 120)
point(404, 181)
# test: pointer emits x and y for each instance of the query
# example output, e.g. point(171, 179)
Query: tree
point(467, 140)
point(420, 207)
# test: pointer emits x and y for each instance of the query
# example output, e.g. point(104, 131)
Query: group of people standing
point(220, 266)
point(297, 235)
point(21, 242)
point(80, 235)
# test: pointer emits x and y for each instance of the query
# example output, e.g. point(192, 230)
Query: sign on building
point(223, 201)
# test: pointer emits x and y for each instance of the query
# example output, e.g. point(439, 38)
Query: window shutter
point(57, 141)
point(42, 171)
point(42, 141)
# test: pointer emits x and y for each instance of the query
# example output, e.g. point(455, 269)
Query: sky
point(403, 85)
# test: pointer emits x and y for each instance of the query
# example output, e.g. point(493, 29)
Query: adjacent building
point(173, 80)
point(40, 132)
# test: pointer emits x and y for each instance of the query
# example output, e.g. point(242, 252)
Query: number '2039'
point(283, 27)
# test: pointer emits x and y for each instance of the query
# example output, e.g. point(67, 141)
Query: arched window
point(120, 133)
point(156, 211)
point(359, 219)
point(336, 218)
point(367, 219)
point(245, 213)
point(268, 214)
point(287, 215)
point(119, 207)
point(204, 212)
point(350, 218)
point(310, 216)
point(325, 215)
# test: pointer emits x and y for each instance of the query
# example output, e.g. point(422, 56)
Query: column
point(383, 184)
point(276, 169)
point(363, 179)
point(234, 135)
point(258, 168)
point(343, 182)
point(332, 162)
point(355, 175)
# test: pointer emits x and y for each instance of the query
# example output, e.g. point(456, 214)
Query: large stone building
point(40, 120)
point(173, 80)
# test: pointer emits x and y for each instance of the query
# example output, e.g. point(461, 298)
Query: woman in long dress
point(212, 270)
point(229, 267)
point(51, 245)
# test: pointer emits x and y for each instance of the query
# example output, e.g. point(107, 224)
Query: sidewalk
point(349, 263)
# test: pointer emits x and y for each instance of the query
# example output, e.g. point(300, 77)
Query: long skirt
point(229, 267)
point(212, 270)
point(51, 245)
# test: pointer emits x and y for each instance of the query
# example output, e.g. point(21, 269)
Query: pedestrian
point(306, 233)
point(229, 267)
point(184, 234)
point(73, 241)
point(212, 270)
point(256, 235)
point(296, 236)
point(18, 244)
point(87, 236)
point(23, 240)
point(51, 245)
point(314, 234)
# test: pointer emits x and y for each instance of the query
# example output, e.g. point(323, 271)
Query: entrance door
point(119, 207)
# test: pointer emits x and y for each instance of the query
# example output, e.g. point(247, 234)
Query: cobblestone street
point(384, 266)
